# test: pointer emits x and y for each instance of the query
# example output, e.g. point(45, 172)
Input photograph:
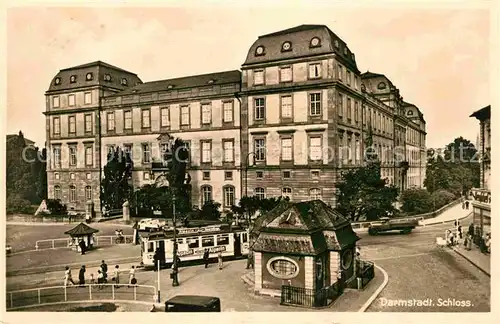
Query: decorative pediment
point(165, 138)
point(291, 218)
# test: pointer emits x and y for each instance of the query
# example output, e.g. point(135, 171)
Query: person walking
point(250, 259)
point(206, 255)
point(467, 204)
point(104, 270)
point(463, 205)
point(219, 258)
point(68, 277)
point(116, 276)
point(131, 274)
point(81, 276)
point(82, 246)
point(100, 278)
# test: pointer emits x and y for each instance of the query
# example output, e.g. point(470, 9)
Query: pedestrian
point(131, 274)
point(82, 246)
point(156, 259)
point(466, 204)
point(116, 276)
point(463, 205)
point(460, 234)
point(67, 277)
point(452, 239)
point(250, 259)
point(104, 269)
point(219, 257)
point(81, 276)
point(92, 279)
point(206, 255)
point(100, 278)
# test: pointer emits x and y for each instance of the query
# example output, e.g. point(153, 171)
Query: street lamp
point(175, 269)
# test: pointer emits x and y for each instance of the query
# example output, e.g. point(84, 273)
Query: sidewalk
point(480, 260)
point(450, 215)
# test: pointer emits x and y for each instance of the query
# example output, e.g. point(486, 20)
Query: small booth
point(81, 232)
point(304, 252)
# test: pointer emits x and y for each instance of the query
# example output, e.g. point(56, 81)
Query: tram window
point(151, 246)
point(180, 241)
point(222, 239)
point(244, 237)
point(193, 243)
point(207, 241)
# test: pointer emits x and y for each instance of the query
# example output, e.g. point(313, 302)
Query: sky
point(439, 58)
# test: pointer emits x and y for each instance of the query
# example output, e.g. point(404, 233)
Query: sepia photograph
point(219, 157)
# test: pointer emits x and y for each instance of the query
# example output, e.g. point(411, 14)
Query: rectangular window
point(206, 175)
point(349, 78)
point(88, 123)
point(164, 117)
point(286, 107)
point(206, 152)
point(72, 193)
point(146, 153)
point(223, 239)
point(72, 155)
point(356, 82)
point(55, 101)
point(287, 174)
point(349, 109)
point(88, 98)
point(228, 175)
point(146, 118)
point(339, 72)
point(206, 114)
point(72, 124)
point(193, 243)
point(184, 115)
point(260, 109)
point(89, 155)
point(356, 112)
point(228, 147)
point(340, 105)
point(286, 74)
point(57, 156)
point(314, 70)
point(228, 111)
point(315, 148)
point(286, 149)
point(207, 241)
point(260, 149)
point(145, 175)
point(127, 115)
point(71, 100)
point(258, 77)
point(57, 125)
point(111, 121)
point(315, 104)
point(315, 174)
point(228, 196)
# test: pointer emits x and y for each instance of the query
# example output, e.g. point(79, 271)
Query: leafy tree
point(179, 180)
point(210, 211)
point(250, 205)
point(416, 201)
point(115, 187)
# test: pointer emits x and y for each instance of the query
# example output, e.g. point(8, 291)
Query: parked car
point(192, 303)
point(150, 224)
point(386, 224)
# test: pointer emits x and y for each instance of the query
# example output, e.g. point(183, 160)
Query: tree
point(248, 206)
point(210, 211)
point(416, 201)
point(115, 187)
point(179, 180)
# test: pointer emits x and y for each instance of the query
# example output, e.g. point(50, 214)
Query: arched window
point(381, 85)
point(88, 192)
point(228, 196)
point(260, 193)
point(287, 192)
point(57, 192)
point(72, 193)
point(315, 194)
point(206, 194)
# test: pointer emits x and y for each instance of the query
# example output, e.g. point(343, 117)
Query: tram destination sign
point(199, 230)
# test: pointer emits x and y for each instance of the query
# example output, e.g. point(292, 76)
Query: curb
point(377, 292)
point(446, 221)
point(472, 262)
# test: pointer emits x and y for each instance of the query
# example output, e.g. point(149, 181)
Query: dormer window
point(363, 87)
point(381, 86)
point(107, 77)
point(315, 42)
point(211, 81)
point(345, 50)
point(352, 56)
point(89, 76)
point(124, 82)
point(410, 112)
point(337, 44)
point(260, 50)
point(72, 79)
point(286, 47)
point(170, 86)
point(57, 81)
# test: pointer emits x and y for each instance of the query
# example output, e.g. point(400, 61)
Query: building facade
point(297, 115)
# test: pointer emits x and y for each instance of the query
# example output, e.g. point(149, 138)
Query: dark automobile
point(387, 224)
point(192, 303)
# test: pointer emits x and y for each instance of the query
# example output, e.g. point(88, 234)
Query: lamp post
point(175, 280)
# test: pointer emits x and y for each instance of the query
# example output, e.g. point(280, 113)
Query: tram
point(231, 241)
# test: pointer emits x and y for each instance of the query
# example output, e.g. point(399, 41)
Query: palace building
point(297, 114)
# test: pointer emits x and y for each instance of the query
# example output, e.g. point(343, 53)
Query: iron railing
point(67, 242)
point(61, 294)
point(366, 272)
point(298, 296)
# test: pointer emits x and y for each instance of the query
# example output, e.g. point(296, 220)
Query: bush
point(56, 207)
point(442, 197)
point(15, 204)
point(416, 201)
